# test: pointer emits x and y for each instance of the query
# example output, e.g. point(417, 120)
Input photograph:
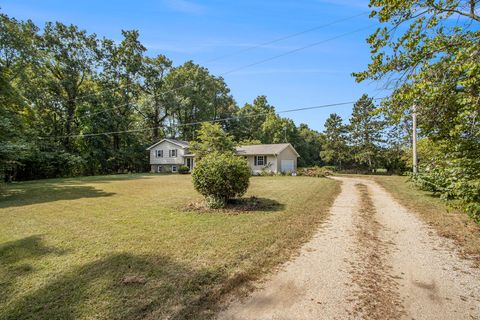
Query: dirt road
point(373, 259)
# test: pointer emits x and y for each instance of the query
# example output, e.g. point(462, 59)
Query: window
point(172, 153)
point(260, 160)
point(159, 154)
point(159, 169)
point(174, 168)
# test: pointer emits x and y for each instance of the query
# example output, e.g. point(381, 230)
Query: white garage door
point(287, 166)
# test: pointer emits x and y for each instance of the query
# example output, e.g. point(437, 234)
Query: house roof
point(180, 143)
point(254, 149)
point(261, 149)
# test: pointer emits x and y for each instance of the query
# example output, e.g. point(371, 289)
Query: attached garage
point(280, 157)
point(287, 165)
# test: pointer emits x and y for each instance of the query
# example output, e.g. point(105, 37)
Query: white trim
point(290, 145)
point(171, 152)
point(176, 169)
point(257, 158)
point(169, 140)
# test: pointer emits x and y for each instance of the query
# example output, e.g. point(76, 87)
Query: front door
point(189, 163)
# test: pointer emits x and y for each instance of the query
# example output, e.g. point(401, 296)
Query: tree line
point(61, 86)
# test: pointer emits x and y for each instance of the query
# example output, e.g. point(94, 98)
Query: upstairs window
point(159, 153)
point(172, 153)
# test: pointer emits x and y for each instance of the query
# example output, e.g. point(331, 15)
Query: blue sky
point(204, 30)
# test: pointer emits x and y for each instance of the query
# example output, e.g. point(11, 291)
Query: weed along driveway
point(372, 259)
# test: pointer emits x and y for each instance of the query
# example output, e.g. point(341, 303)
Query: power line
point(295, 50)
point(252, 64)
point(292, 35)
point(207, 121)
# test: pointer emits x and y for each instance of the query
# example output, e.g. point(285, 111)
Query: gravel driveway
point(372, 259)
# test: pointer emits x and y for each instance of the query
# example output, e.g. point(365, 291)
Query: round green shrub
point(183, 170)
point(220, 177)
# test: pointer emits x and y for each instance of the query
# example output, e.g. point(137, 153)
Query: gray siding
point(165, 146)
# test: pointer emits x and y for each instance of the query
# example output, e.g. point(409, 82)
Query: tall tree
point(251, 118)
point(155, 106)
point(69, 59)
point(308, 144)
point(119, 79)
point(365, 130)
point(334, 149)
point(211, 138)
point(276, 129)
point(195, 95)
point(16, 55)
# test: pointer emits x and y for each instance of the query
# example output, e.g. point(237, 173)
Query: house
point(168, 155)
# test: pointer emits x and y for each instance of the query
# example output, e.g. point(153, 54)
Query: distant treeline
point(60, 86)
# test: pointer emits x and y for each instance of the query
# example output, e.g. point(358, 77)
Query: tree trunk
point(71, 107)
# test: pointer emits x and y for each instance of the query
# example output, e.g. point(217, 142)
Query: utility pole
point(285, 133)
point(414, 139)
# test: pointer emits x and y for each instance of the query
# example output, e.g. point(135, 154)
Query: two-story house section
point(168, 155)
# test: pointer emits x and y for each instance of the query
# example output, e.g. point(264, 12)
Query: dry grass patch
point(119, 246)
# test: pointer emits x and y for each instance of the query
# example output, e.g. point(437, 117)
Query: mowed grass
point(124, 247)
point(448, 222)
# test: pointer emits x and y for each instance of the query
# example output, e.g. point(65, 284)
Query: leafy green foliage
point(211, 138)
point(193, 95)
point(451, 174)
point(365, 132)
point(433, 63)
point(183, 170)
point(220, 177)
point(335, 150)
point(251, 119)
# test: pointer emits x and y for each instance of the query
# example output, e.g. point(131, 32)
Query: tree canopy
point(428, 54)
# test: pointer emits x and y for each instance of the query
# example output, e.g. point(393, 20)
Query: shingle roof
point(262, 149)
point(180, 142)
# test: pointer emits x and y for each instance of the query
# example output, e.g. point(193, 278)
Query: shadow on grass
point(240, 205)
point(107, 178)
point(255, 204)
point(124, 286)
point(14, 261)
point(21, 195)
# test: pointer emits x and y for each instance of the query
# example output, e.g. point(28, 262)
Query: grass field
point(124, 246)
point(449, 222)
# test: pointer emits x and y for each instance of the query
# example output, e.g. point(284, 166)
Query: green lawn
point(448, 222)
point(125, 247)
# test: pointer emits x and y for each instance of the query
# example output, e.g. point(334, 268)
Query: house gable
point(167, 151)
point(181, 144)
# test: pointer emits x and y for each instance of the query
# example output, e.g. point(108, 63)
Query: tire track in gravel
point(371, 259)
point(377, 296)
